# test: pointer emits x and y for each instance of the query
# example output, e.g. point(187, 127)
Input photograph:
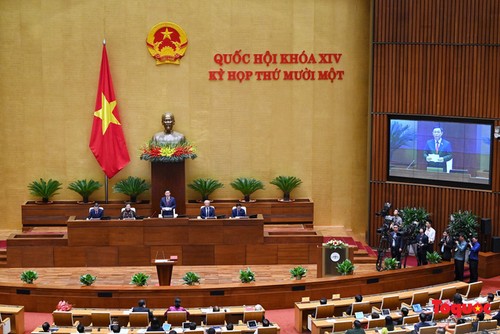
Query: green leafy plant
point(44, 189)
point(84, 188)
point(191, 278)
point(87, 279)
point(345, 267)
point(391, 263)
point(286, 184)
point(433, 257)
point(298, 272)
point(29, 276)
point(247, 186)
point(463, 222)
point(131, 186)
point(205, 186)
point(247, 275)
point(140, 279)
point(413, 220)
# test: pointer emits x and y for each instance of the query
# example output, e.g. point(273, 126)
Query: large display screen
point(438, 150)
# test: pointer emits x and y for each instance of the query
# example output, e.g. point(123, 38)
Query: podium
point(327, 266)
point(168, 176)
point(164, 270)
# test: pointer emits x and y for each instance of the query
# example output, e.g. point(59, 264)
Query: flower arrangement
point(335, 244)
point(156, 152)
point(64, 306)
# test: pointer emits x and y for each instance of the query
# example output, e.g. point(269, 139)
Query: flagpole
point(106, 184)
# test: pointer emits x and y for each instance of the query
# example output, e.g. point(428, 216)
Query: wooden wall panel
point(437, 58)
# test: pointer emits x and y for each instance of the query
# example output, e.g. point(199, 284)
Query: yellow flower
point(167, 151)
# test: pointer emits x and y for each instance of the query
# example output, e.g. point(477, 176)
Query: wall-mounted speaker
point(485, 225)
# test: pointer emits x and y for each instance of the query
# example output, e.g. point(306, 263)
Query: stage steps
point(3, 258)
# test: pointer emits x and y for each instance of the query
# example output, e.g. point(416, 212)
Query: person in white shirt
point(431, 234)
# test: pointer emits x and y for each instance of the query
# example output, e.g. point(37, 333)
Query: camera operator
point(445, 246)
point(473, 259)
point(422, 241)
point(459, 257)
point(396, 219)
point(396, 242)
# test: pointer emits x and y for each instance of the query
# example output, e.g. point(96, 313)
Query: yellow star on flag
point(106, 113)
point(478, 308)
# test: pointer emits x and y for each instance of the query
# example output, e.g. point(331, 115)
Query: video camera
point(385, 211)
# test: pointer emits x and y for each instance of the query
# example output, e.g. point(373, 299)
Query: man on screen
point(438, 150)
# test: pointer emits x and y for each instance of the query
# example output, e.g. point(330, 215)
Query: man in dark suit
point(207, 211)
point(396, 242)
point(445, 246)
point(238, 211)
point(96, 212)
point(167, 204)
point(141, 307)
point(438, 150)
point(422, 244)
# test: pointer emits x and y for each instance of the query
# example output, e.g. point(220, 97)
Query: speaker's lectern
point(164, 269)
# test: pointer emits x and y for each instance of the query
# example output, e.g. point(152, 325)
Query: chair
point(495, 305)
point(176, 318)
point(486, 325)
point(215, 318)
point(390, 302)
point(138, 319)
point(100, 319)
point(428, 330)
point(253, 315)
point(340, 326)
point(474, 290)
point(436, 317)
point(463, 328)
point(372, 323)
point(398, 331)
point(63, 318)
point(411, 319)
point(169, 213)
point(421, 298)
point(447, 293)
point(123, 209)
point(364, 307)
point(267, 330)
point(5, 327)
point(324, 311)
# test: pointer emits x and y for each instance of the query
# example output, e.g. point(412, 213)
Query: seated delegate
point(207, 211)
point(127, 212)
point(96, 212)
point(238, 211)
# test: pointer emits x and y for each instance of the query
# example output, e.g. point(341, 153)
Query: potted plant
point(463, 222)
point(84, 188)
point(345, 267)
point(390, 263)
point(205, 186)
point(286, 184)
point(140, 279)
point(247, 275)
point(29, 276)
point(131, 186)
point(191, 278)
point(87, 279)
point(247, 186)
point(409, 217)
point(433, 257)
point(298, 272)
point(44, 189)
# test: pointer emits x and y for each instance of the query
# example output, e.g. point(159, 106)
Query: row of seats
point(5, 327)
point(141, 319)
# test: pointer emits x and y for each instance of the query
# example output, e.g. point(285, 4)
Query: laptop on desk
point(359, 315)
point(417, 308)
point(252, 324)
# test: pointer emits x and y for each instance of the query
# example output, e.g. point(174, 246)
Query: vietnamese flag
point(107, 141)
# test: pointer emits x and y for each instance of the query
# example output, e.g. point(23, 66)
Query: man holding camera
point(473, 259)
point(459, 257)
point(396, 242)
point(422, 244)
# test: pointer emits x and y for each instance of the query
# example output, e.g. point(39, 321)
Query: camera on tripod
point(386, 226)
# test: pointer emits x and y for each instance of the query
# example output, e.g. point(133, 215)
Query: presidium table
point(141, 242)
